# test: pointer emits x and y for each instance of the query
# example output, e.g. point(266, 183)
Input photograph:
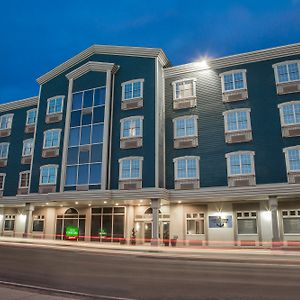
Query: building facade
point(120, 145)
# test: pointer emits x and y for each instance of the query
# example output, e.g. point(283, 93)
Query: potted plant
point(174, 240)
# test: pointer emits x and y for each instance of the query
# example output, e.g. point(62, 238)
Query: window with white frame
point(55, 105)
point(240, 163)
point(130, 168)
point(246, 222)
point(38, 223)
point(6, 121)
point(27, 147)
point(48, 174)
point(132, 89)
point(292, 158)
point(31, 117)
point(4, 148)
point(287, 71)
point(185, 126)
point(185, 88)
point(51, 138)
point(132, 127)
point(233, 80)
point(9, 222)
point(186, 167)
point(237, 120)
point(24, 178)
point(195, 223)
point(291, 221)
point(290, 113)
point(2, 181)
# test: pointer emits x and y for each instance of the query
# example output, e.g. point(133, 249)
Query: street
point(146, 277)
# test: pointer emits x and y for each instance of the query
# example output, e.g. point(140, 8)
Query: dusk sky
point(36, 36)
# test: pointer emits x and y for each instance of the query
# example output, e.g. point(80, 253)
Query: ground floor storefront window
point(291, 221)
point(246, 222)
point(9, 222)
point(195, 223)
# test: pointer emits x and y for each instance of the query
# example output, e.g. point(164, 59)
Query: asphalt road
point(140, 277)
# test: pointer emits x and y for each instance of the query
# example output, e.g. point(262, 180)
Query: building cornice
point(32, 101)
point(109, 50)
point(233, 60)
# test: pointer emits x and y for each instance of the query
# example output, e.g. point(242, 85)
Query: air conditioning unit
point(241, 182)
point(22, 191)
point(184, 103)
point(82, 188)
point(130, 185)
point(5, 132)
point(26, 160)
point(288, 88)
point(186, 142)
point(131, 104)
point(3, 162)
point(187, 186)
point(294, 178)
point(29, 128)
point(235, 96)
point(293, 132)
point(238, 138)
point(131, 143)
point(53, 118)
point(50, 152)
point(47, 189)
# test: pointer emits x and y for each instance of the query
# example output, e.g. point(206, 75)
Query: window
point(185, 126)
point(9, 222)
point(184, 88)
point(240, 163)
point(48, 174)
point(2, 181)
point(237, 120)
point(6, 121)
point(187, 167)
point(130, 168)
point(27, 147)
point(51, 138)
point(55, 105)
point(38, 223)
point(24, 178)
point(291, 221)
point(132, 89)
point(290, 113)
point(31, 117)
point(287, 71)
point(132, 127)
point(195, 223)
point(292, 158)
point(246, 222)
point(233, 80)
point(4, 148)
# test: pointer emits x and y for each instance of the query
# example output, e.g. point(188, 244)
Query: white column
point(155, 205)
point(2, 217)
point(273, 204)
point(129, 222)
point(29, 208)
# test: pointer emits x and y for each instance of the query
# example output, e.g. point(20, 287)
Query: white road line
point(67, 293)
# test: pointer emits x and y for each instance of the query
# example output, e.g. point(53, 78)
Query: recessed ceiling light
point(105, 202)
point(76, 202)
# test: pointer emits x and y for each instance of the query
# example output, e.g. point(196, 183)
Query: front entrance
point(144, 231)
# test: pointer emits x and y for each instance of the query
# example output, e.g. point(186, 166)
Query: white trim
point(48, 166)
point(194, 117)
point(228, 155)
point(175, 160)
point(32, 101)
point(237, 110)
point(54, 98)
point(4, 177)
point(174, 84)
point(232, 72)
point(31, 148)
point(286, 62)
point(131, 158)
point(287, 161)
point(7, 115)
point(59, 136)
point(123, 84)
point(132, 118)
point(27, 112)
point(281, 106)
point(1, 145)
point(20, 177)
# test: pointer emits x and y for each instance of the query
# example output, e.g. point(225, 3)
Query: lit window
point(185, 126)
point(233, 80)
point(290, 113)
point(292, 156)
point(24, 178)
point(237, 120)
point(4, 147)
point(9, 222)
point(132, 89)
point(38, 223)
point(132, 127)
point(6, 121)
point(287, 71)
point(240, 163)
point(246, 222)
point(130, 168)
point(31, 117)
point(186, 167)
point(291, 221)
point(184, 88)
point(195, 223)
point(48, 174)
point(51, 138)
point(55, 105)
point(27, 147)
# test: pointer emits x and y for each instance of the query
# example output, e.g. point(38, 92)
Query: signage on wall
point(72, 233)
point(220, 221)
point(102, 232)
